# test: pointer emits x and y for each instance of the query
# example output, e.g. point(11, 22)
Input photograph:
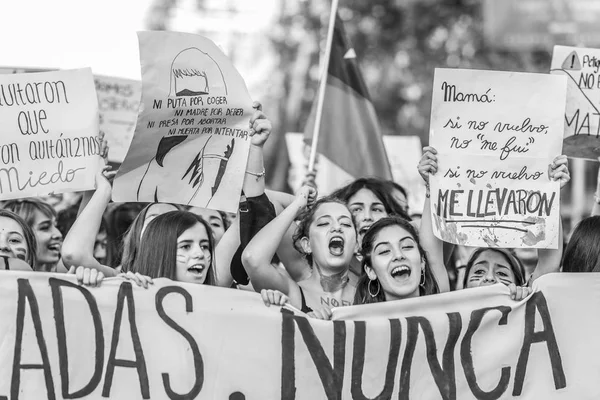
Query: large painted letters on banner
point(60, 340)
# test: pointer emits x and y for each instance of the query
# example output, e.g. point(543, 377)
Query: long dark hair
point(306, 218)
point(119, 219)
point(380, 189)
point(583, 251)
point(28, 234)
point(133, 237)
point(515, 264)
point(157, 255)
point(362, 295)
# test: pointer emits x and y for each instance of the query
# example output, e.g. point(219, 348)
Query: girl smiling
point(395, 264)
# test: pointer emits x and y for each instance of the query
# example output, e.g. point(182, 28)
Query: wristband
point(257, 175)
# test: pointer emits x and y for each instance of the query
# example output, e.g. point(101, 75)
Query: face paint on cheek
point(506, 281)
point(20, 251)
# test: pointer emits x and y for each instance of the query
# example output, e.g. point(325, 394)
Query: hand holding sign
point(558, 170)
point(428, 164)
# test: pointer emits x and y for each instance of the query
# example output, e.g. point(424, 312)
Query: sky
point(73, 34)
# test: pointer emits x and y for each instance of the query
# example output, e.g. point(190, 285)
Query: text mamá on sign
point(452, 94)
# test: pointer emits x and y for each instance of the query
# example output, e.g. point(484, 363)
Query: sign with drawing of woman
point(191, 140)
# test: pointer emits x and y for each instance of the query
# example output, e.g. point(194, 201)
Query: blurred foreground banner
point(59, 340)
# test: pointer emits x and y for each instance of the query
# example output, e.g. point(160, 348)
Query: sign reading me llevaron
point(496, 133)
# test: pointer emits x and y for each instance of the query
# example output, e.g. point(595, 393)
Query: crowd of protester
point(355, 246)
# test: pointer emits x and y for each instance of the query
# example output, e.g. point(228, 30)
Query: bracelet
point(597, 198)
point(257, 175)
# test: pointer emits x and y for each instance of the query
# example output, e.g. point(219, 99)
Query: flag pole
point(322, 85)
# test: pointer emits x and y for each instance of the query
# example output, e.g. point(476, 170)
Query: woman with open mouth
point(41, 218)
point(395, 264)
point(395, 267)
point(326, 236)
point(370, 200)
point(177, 245)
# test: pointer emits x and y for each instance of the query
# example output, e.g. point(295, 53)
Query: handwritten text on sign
point(191, 140)
point(582, 114)
point(496, 133)
point(60, 340)
point(49, 133)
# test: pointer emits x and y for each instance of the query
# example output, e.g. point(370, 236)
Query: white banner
point(59, 340)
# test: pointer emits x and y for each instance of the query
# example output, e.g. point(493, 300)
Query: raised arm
point(259, 252)
point(78, 246)
point(224, 254)
point(254, 186)
point(260, 130)
point(432, 245)
point(295, 264)
point(549, 259)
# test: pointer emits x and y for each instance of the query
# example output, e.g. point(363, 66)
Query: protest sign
point(191, 141)
point(60, 340)
point(404, 154)
point(118, 101)
point(582, 116)
point(50, 133)
point(496, 134)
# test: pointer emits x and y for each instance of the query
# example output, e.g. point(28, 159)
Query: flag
point(349, 135)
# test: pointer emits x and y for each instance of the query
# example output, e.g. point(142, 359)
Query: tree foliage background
point(399, 43)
